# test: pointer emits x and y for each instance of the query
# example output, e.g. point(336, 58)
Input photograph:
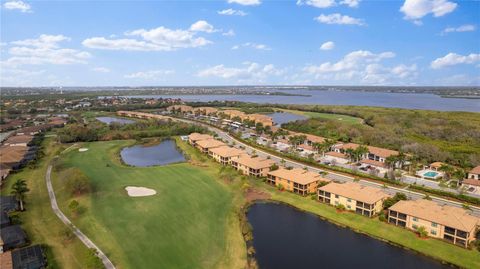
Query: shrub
point(77, 182)
point(422, 232)
point(391, 201)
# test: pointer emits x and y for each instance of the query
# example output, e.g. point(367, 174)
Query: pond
point(161, 154)
point(285, 237)
point(109, 120)
point(280, 118)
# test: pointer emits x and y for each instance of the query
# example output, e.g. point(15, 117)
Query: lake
point(161, 154)
point(382, 99)
point(285, 237)
point(109, 120)
point(283, 117)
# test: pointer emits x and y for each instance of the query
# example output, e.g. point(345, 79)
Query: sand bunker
point(139, 191)
point(82, 149)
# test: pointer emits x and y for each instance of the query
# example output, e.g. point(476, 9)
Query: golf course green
point(189, 223)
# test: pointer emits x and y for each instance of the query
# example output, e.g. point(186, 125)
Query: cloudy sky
point(240, 42)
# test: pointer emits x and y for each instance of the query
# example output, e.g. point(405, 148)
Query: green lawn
point(190, 223)
point(328, 116)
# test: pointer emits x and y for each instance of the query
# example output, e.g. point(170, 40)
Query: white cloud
point(252, 45)
point(328, 3)
point(232, 12)
point(350, 3)
point(18, 5)
point(317, 3)
point(245, 2)
point(416, 9)
point(20, 77)
point(462, 28)
point(157, 39)
point(101, 69)
point(229, 33)
point(454, 59)
point(44, 50)
point(362, 67)
point(202, 26)
point(250, 72)
point(327, 45)
point(337, 18)
point(150, 75)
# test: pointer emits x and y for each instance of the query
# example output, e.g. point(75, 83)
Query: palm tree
point(390, 161)
point(19, 189)
point(360, 151)
point(447, 170)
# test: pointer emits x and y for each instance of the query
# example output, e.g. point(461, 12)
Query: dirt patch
point(253, 194)
point(139, 191)
point(197, 163)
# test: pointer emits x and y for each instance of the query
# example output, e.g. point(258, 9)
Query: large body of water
point(162, 154)
point(280, 118)
point(109, 120)
point(398, 100)
point(285, 237)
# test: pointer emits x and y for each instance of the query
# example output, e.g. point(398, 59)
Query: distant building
point(193, 138)
point(474, 173)
point(363, 200)
point(19, 140)
point(296, 180)
point(452, 224)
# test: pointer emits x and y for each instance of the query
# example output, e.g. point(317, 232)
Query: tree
point(73, 206)
point(274, 167)
point(447, 170)
point(19, 189)
point(390, 161)
point(77, 181)
point(393, 200)
point(360, 151)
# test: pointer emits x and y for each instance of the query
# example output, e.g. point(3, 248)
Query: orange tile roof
point(6, 260)
point(373, 162)
point(382, 152)
point(471, 181)
point(210, 143)
point(298, 175)
point(226, 151)
point(475, 170)
point(437, 164)
point(253, 162)
point(336, 154)
point(12, 154)
point(356, 192)
point(17, 139)
point(450, 216)
point(197, 136)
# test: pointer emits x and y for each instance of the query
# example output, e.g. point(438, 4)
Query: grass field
point(39, 221)
point(190, 223)
point(328, 116)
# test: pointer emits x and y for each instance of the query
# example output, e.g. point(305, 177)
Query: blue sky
point(240, 42)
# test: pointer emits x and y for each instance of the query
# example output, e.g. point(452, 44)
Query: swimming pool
point(430, 174)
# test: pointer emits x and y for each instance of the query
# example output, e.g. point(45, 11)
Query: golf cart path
point(85, 240)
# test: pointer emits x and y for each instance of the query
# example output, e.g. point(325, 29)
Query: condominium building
point(252, 166)
point(474, 173)
point(194, 137)
point(353, 196)
point(450, 223)
point(224, 154)
point(180, 108)
point(296, 180)
point(205, 145)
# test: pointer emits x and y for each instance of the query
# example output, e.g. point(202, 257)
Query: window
point(433, 232)
point(349, 207)
point(349, 200)
point(434, 224)
point(415, 219)
point(336, 195)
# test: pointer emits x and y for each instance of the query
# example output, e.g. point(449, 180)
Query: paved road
point(331, 175)
point(85, 240)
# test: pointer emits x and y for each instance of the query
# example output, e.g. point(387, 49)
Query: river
point(285, 237)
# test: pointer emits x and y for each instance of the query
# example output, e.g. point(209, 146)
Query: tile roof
point(12, 154)
point(356, 192)
point(253, 162)
point(336, 154)
point(382, 152)
point(197, 136)
point(6, 260)
point(475, 170)
point(226, 151)
point(210, 143)
point(471, 181)
point(450, 216)
point(298, 175)
point(373, 162)
point(17, 139)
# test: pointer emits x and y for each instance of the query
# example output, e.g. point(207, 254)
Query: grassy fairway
point(190, 223)
point(328, 116)
point(39, 221)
